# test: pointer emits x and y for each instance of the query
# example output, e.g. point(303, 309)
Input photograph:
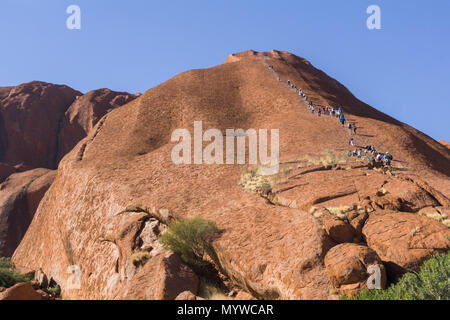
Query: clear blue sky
point(133, 45)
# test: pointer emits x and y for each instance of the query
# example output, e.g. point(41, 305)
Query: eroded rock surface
point(111, 187)
point(404, 240)
point(20, 195)
point(348, 266)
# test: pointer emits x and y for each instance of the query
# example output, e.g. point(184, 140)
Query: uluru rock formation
point(121, 178)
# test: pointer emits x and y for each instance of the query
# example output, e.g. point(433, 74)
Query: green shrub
point(6, 263)
point(432, 283)
point(190, 238)
point(8, 275)
point(55, 290)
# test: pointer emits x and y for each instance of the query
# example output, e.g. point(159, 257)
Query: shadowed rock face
point(39, 124)
point(116, 179)
point(30, 116)
point(20, 195)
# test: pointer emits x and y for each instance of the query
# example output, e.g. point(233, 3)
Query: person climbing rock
point(351, 142)
point(379, 157)
point(354, 128)
point(319, 112)
point(342, 119)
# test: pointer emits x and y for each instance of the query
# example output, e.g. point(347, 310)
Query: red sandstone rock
point(340, 231)
point(108, 185)
point(170, 277)
point(84, 114)
point(404, 240)
point(20, 291)
point(30, 116)
point(186, 295)
point(347, 267)
point(20, 195)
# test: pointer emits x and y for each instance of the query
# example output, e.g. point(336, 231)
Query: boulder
point(348, 267)
point(20, 291)
point(186, 295)
point(404, 240)
point(408, 196)
point(172, 277)
point(338, 230)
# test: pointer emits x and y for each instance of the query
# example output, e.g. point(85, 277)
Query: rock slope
point(121, 177)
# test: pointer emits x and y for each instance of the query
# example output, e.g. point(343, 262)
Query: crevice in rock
point(433, 193)
point(80, 154)
point(333, 197)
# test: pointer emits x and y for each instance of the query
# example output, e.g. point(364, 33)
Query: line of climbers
point(376, 159)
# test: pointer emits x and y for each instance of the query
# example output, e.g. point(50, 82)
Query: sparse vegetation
point(328, 158)
point(415, 231)
point(341, 211)
point(190, 238)
point(140, 258)
point(253, 181)
point(9, 276)
point(54, 290)
point(432, 283)
point(436, 215)
point(209, 291)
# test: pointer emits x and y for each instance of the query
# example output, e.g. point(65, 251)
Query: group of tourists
point(377, 159)
point(337, 112)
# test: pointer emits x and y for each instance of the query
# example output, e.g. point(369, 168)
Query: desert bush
point(328, 158)
point(6, 263)
point(140, 258)
point(438, 216)
point(253, 181)
point(54, 290)
point(431, 283)
point(341, 211)
point(9, 276)
point(190, 238)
